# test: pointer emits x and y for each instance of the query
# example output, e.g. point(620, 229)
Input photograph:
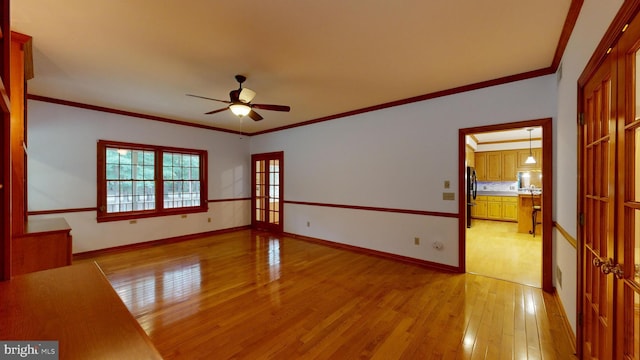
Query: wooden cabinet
point(479, 210)
point(481, 165)
point(510, 208)
point(494, 166)
point(503, 208)
point(497, 165)
point(45, 244)
point(494, 207)
point(524, 154)
point(470, 156)
point(509, 165)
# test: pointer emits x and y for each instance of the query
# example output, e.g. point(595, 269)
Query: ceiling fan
point(240, 102)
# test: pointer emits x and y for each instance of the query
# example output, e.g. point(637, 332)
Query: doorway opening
point(505, 215)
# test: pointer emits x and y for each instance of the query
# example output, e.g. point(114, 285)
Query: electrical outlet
point(308, 223)
point(208, 219)
point(133, 221)
point(183, 216)
point(416, 240)
point(438, 245)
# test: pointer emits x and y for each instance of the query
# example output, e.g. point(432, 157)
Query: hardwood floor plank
point(254, 295)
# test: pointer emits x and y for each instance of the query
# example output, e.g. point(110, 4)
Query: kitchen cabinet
point(502, 208)
point(494, 207)
point(524, 154)
point(510, 208)
point(479, 210)
point(497, 165)
point(481, 165)
point(470, 156)
point(494, 166)
point(509, 165)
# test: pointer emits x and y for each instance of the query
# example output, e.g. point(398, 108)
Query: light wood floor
point(496, 249)
point(251, 295)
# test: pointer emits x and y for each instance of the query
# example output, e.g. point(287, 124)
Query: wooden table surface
point(76, 306)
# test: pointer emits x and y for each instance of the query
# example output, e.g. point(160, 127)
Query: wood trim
point(128, 113)
point(570, 239)
point(370, 208)
point(567, 29)
point(547, 194)
point(382, 254)
point(148, 244)
point(225, 200)
point(5, 144)
point(565, 321)
point(72, 210)
point(60, 211)
point(626, 12)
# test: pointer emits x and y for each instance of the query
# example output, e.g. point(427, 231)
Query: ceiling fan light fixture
point(240, 110)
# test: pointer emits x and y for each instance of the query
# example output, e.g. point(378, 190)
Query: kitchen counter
point(525, 223)
point(497, 193)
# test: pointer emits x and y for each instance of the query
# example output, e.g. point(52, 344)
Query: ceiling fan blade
point(202, 97)
point(216, 111)
point(255, 116)
point(246, 95)
point(271, 107)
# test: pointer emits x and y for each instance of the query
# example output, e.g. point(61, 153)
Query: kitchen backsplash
point(497, 186)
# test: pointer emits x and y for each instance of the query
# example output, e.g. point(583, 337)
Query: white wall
point(62, 173)
point(594, 19)
point(393, 158)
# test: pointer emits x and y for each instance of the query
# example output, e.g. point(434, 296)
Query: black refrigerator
point(472, 191)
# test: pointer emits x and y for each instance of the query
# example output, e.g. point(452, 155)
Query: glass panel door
point(267, 191)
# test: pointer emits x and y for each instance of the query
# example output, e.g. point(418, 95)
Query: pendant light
point(530, 159)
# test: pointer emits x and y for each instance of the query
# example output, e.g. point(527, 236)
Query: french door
point(609, 200)
point(267, 191)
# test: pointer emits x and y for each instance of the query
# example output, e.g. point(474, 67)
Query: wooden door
point(597, 196)
point(610, 201)
point(625, 265)
point(267, 191)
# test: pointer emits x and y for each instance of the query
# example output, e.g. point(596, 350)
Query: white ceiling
point(320, 57)
point(509, 135)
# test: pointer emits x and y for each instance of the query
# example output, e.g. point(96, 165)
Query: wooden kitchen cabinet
point(524, 154)
point(509, 165)
point(497, 165)
point(494, 207)
point(494, 165)
point(481, 165)
point(510, 208)
point(479, 210)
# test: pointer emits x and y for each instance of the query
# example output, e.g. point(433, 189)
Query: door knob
point(597, 262)
point(618, 271)
point(607, 267)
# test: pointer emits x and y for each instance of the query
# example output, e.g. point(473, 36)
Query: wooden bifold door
point(609, 205)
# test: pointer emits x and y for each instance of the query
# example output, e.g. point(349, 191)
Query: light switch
point(447, 184)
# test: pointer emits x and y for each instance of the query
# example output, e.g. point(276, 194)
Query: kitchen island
point(526, 200)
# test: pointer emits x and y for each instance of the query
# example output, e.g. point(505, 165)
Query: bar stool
point(534, 214)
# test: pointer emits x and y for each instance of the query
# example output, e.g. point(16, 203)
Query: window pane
point(125, 172)
point(131, 178)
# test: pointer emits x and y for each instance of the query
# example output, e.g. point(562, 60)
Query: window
point(145, 180)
